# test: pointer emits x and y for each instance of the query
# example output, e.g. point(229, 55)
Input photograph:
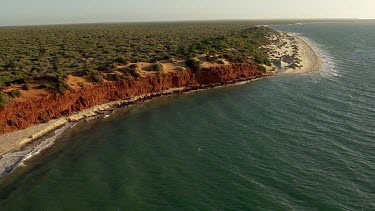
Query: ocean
point(293, 142)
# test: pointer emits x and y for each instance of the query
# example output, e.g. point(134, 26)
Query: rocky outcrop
point(21, 115)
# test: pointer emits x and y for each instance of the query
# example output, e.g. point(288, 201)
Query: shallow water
point(302, 142)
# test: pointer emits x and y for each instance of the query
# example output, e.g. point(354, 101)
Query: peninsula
point(53, 76)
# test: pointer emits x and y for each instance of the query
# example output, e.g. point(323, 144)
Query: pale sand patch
point(310, 60)
point(169, 66)
point(77, 82)
point(288, 50)
point(27, 95)
point(15, 140)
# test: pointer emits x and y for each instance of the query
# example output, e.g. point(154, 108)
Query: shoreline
point(315, 62)
point(29, 142)
point(311, 63)
point(291, 53)
point(19, 146)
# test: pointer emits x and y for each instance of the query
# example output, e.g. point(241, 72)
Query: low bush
point(130, 71)
point(115, 77)
point(262, 68)
point(4, 99)
point(194, 64)
point(45, 86)
point(97, 78)
point(133, 66)
point(44, 118)
point(262, 60)
point(267, 62)
point(90, 72)
point(63, 87)
point(15, 93)
point(158, 67)
point(220, 62)
point(166, 57)
point(26, 87)
point(122, 60)
point(5, 80)
point(153, 60)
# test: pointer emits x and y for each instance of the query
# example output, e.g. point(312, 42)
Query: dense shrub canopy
point(49, 51)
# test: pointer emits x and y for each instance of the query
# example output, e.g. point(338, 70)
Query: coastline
point(18, 146)
point(310, 61)
point(291, 54)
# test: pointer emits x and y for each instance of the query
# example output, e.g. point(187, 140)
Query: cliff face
point(21, 115)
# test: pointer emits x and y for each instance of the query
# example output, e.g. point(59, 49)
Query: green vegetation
point(195, 64)
point(26, 87)
point(4, 99)
point(133, 66)
point(53, 52)
point(5, 79)
point(122, 60)
point(130, 71)
point(96, 77)
point(45, 86)
point(262, 68)
point(15, 93)
point(62, 87)
point(238, 47)
point(115, 77)
point(158, 67)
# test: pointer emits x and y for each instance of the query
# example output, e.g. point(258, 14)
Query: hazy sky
point(26, 12)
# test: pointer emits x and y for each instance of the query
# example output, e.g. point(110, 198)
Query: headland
point(33, 121)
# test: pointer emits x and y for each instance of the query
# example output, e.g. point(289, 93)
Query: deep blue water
point(304, 142)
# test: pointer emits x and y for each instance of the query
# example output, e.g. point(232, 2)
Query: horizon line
point(307, 20)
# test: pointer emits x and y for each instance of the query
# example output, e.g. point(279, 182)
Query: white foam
point(11, 161)
point(328, 68)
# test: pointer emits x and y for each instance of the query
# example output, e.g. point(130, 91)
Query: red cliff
point(20, 115)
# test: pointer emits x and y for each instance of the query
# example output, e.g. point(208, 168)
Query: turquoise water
point(303, 142)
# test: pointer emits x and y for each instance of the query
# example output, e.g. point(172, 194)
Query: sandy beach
point(291, 54)
point(309, 59)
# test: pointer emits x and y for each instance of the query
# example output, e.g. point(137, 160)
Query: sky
point(36, 12)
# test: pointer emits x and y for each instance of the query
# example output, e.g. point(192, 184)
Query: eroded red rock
point(20, 115)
